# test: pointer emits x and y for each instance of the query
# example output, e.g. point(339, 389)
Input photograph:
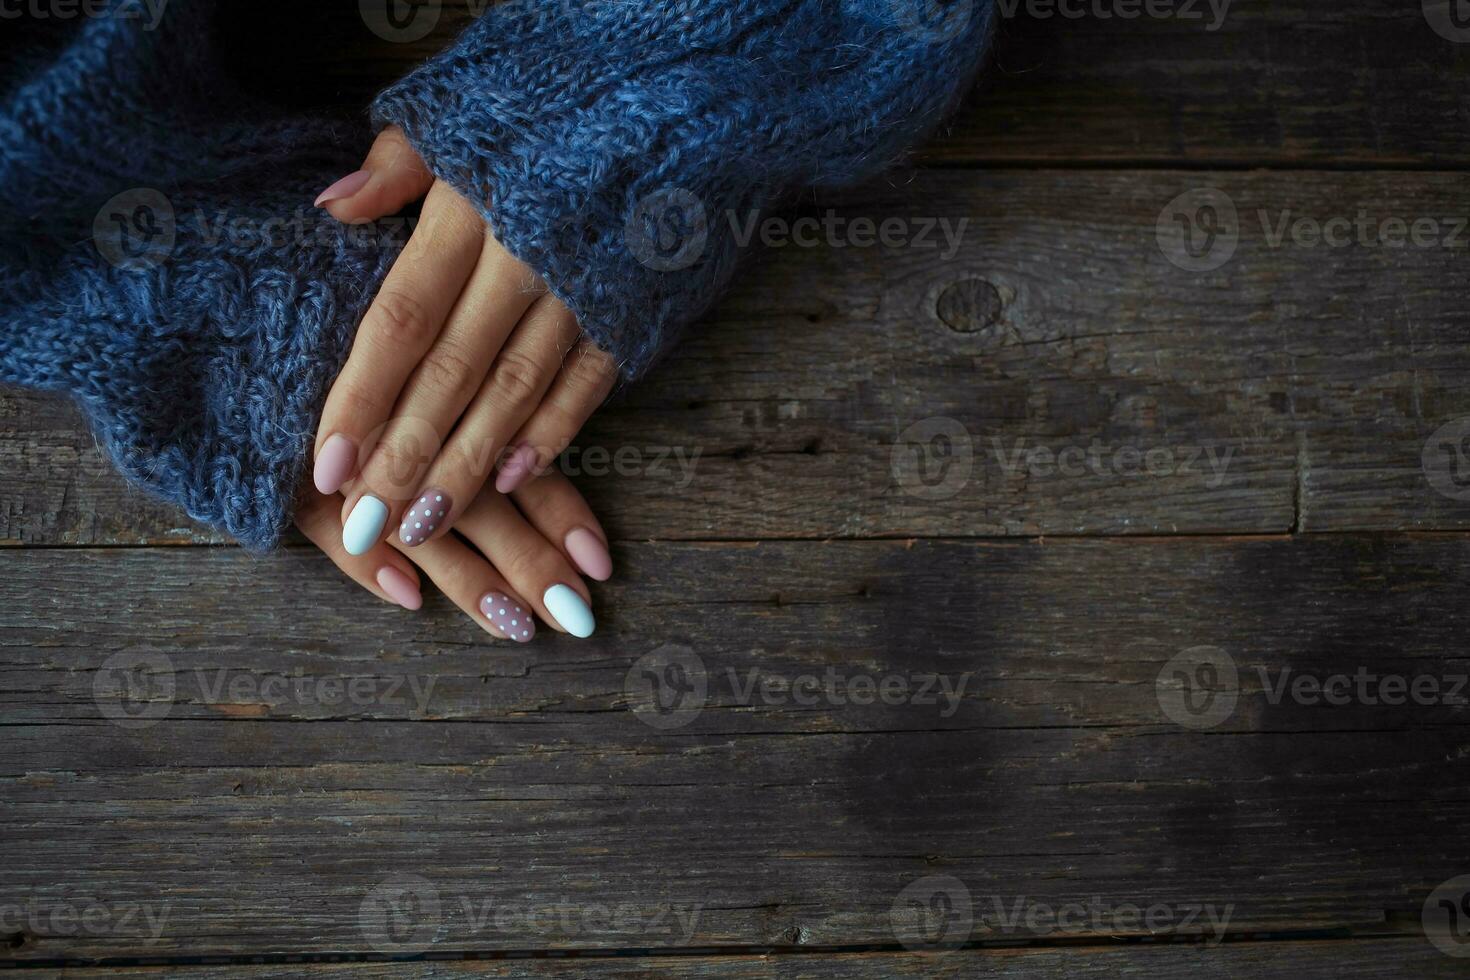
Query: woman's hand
point(464, 362)
point(515, 568)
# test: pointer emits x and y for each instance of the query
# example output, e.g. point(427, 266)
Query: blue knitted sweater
point(160, 262)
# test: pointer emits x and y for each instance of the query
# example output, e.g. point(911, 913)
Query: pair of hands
point(464, 367)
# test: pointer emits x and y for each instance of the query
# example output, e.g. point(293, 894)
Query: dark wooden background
point(536, 783)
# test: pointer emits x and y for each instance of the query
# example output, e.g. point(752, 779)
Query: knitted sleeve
point(612, 145)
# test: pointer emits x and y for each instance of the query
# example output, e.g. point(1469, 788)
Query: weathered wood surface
point(1378, 959)
point(1292, 388)
point(1272, 82)
point(538, 782)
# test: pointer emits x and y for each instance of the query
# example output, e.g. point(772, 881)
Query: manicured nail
point(346, 187)
point(400, 587)
point(589, 553)
point(570, 612)
point(508, 616)
point(515, 470)
point(424, 515)
point(364, 525)
point(334, 464)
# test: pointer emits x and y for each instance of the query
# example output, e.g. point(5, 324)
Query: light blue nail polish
point(570, 612)
point(364, 525)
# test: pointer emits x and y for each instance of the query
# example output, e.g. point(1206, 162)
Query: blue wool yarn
point(161, 264)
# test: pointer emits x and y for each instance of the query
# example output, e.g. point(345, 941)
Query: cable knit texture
point(160, 262)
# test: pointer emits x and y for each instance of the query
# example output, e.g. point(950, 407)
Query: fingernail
point(334, 464)
point(424, 515)
point(515, 470)
point(589, 553)
point(400, 587)
point(508, 616)
point(364, 525)
point(570, 612)
point(346, 187)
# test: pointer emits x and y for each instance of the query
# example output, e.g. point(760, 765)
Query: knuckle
point(358, 402)
point(449, 373)
point(399, 319)
point(515, 379)
point(591, 372)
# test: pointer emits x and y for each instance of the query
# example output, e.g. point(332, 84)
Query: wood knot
point(969, 306)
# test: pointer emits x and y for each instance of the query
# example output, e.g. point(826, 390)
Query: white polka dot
point(515, 622)
point(523, 633)
point(437, 500)
point(416, 524)
point(441, 513)
point(502, 612)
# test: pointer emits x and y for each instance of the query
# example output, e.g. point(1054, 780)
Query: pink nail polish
point(400, 587)
point(515, 470)
point(509, 616)
point(334, 464)
point(344, 188)
point(424, 517)
point(589, 554)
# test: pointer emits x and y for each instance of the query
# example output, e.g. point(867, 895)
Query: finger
point(474, 585)
point(514, 386)
point(454, 371)
point(382, 571)
point(586, 379)
point(558, 511)
point(393, 176)
point(533, 566)
point(398, 329)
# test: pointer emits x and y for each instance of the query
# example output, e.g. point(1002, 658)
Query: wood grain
point(1381, 959)
point(835, 381)
point(261, 814)
point(1363, 83)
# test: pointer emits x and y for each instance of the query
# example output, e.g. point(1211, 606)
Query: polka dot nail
point(424, 515)
point(509, 616)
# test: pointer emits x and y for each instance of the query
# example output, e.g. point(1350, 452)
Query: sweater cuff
point(616, 148)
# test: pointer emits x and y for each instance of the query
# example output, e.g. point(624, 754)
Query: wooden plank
point(301, 746)
point(1376, 959)
point(1292, 387)
point(1271, 82)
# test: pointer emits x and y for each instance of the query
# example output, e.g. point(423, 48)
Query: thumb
point(392, 176)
